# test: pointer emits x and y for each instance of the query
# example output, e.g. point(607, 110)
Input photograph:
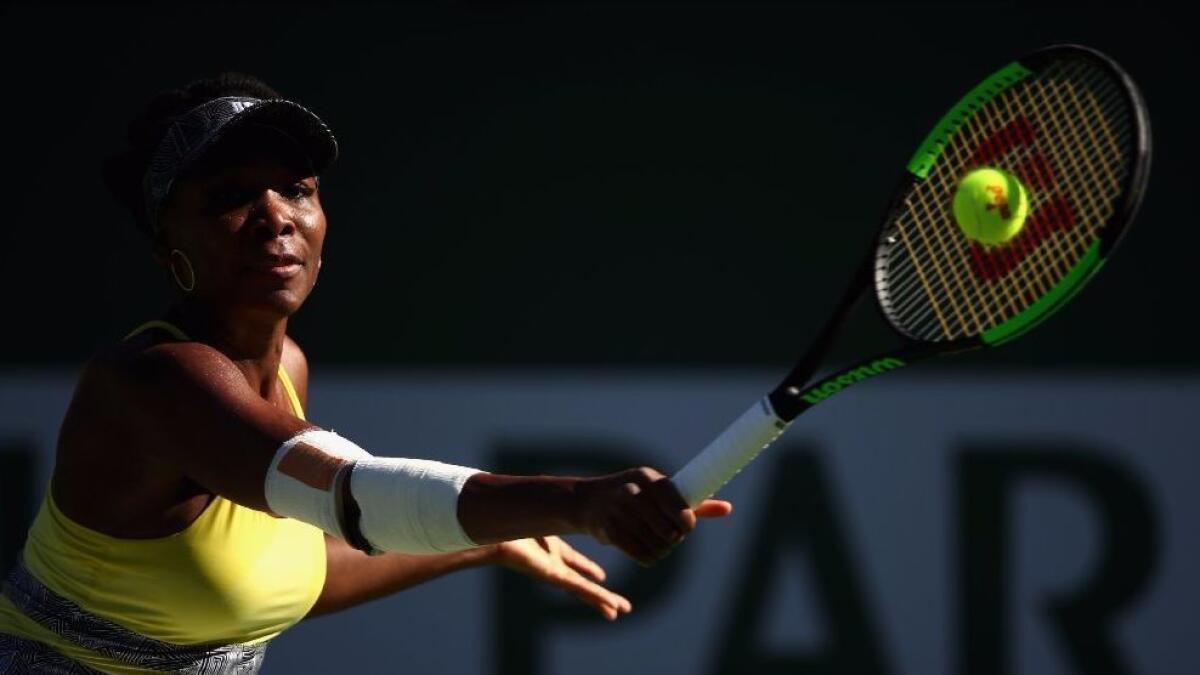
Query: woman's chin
point(282, 302)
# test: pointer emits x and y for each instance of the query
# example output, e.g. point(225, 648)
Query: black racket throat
point(792, 397)
point(799, 391)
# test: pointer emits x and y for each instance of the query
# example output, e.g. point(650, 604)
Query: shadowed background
point(678, 184)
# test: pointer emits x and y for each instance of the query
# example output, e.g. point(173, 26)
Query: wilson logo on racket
point(1055, 214)
point(832, 386)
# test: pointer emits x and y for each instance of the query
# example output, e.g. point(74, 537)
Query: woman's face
point(250, 222)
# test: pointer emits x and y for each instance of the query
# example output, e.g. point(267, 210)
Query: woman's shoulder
point(148, 349)
point(148, 372)
point(125, 410)
point(144, 363)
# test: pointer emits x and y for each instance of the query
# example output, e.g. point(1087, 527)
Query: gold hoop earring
point(186, 288)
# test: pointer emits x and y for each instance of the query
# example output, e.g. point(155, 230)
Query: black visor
point(197, 130)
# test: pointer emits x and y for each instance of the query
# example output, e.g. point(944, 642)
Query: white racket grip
point(757, 428)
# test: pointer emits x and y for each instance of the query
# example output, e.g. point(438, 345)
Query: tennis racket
point(1071, 126)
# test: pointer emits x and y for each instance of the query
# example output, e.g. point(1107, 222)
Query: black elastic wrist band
point(349, 513)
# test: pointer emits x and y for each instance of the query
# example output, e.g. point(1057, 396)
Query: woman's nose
point(271, 216)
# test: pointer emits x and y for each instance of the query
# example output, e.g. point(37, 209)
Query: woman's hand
point(641, 512)
point(552, 560)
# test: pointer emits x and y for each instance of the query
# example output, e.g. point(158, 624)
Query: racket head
point(1072, 126)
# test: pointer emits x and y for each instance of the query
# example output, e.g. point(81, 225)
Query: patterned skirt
point(76, 625)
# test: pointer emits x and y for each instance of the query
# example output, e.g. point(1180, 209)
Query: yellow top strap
point(178, 334)
point(291, 392)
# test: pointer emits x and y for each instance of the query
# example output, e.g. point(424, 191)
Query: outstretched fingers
point(580, 562)
point(608, 603)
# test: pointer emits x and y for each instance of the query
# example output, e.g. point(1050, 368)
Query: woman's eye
point(298, 191)
point(229, 197)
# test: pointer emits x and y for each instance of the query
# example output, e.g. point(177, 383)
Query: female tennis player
point(194, 513)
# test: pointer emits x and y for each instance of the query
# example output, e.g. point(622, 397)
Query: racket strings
point(1067, 134)
point(989, 300)
point(978, 130)
point(1026, 271)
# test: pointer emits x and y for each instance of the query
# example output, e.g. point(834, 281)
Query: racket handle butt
point(726, 455)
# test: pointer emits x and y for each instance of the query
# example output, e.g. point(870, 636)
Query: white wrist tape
point(408, 505)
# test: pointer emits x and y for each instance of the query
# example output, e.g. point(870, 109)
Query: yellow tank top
point(235, 575)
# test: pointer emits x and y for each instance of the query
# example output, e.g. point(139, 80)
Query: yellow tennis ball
point(990, 206)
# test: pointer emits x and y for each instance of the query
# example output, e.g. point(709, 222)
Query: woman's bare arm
point(215, 429)
point(352, 577)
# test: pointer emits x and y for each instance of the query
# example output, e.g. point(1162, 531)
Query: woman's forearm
point(353, 577)
point(426, 506)
point(494, 508)
point(638, 510)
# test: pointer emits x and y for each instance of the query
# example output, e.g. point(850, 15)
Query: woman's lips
point(283, 267)
point(284, 270)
